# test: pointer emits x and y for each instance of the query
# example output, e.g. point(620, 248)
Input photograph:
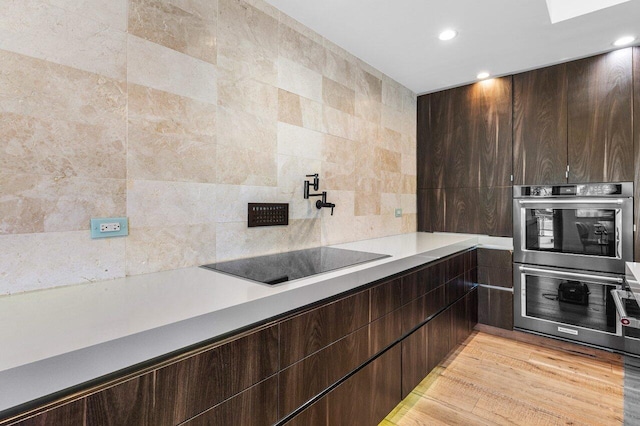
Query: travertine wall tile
point(234, 240)
point(265, 7)
point(300, 80)
point(150, 64)
point(181, 113)
point(368, 85)
point(239, 129)
point(161, 204)
point(367, 109)
point(409, 223)
point(391, 140)
point(409, 184)
point(241, 166)
point(338, 96)
point(166, 23)
point(170, 157)
point(409, 165)
point(32, 145)
point(303, 50)
point(32, 203)
point(300, 111)
point(36, 261)
point(36, 28)
point(248, 37)
point(392, 93)
point(204, 9)
point(392, 119)
point(387, 160)
point(162, 112)
point(338, 123)
point(249, 95)
point(298, 27)
point(112, 13)
point(409, 203)
point(300, 142)
point(338, 176)
point(42, 89)
point(170, 247)
point(339, 69)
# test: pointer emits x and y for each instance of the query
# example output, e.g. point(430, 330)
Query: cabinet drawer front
point(311, 331)
point(198, 383)
point(256, 406)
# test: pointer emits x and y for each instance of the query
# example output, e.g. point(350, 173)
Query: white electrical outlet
point(109, 227)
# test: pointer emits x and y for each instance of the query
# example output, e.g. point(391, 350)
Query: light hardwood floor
point(496, 380)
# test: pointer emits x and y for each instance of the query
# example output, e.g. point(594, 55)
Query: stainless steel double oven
point(571, 243)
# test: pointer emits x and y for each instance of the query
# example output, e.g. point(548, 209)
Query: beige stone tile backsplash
point(177, 113)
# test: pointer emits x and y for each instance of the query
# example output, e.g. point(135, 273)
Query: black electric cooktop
point(282, 267)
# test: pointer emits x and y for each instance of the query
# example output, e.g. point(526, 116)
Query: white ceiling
point(400, 37)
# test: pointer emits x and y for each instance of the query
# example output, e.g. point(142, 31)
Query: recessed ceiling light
point(482, 75)
point(624, 40)
point(447, 35)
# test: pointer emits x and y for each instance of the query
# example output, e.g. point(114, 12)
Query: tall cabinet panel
point(600, 118)
point(490, 132)
point(540, 126)
point(464, 154)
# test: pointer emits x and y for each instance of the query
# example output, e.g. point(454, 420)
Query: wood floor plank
point(495, 380)
point(429, 411)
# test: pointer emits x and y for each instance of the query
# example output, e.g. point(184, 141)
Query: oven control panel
point(624, 189)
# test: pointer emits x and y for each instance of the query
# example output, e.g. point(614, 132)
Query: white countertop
point(57, 338)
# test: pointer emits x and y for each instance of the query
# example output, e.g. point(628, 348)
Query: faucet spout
point(323, 203)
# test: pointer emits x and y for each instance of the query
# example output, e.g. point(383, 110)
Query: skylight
point(561, 10)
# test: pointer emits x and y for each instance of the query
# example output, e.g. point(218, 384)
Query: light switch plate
point(398, 212)
point(107, 227)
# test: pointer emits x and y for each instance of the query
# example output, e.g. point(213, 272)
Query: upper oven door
point(592, 234)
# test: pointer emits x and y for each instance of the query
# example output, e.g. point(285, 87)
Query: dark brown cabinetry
point(253, 407)
point(540, 126)
point(195, 384)
point(600, 118)
point(464, 144)
point(577, 114)
point(495, 291)
point(355, 356)
point(572, 122)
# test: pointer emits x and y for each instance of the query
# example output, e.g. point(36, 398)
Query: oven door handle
point(625, 319)
point(573, 201)
point(573, 274)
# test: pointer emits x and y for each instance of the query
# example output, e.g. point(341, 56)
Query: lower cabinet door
point(256, 406)
point(439, 341)
point(364, 399)
point(414, 360)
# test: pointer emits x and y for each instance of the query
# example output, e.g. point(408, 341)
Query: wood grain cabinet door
point(540, 126)
point(600, 118)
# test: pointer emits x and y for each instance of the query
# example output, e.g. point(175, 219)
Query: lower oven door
point(569, 304)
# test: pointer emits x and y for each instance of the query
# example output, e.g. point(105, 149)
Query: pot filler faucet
point(315, 184)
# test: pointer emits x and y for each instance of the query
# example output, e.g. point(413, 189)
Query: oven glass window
point(572, 302)
point(577, 231)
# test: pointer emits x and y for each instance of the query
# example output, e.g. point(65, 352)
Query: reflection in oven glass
point(577, 231)
point(579, 303)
